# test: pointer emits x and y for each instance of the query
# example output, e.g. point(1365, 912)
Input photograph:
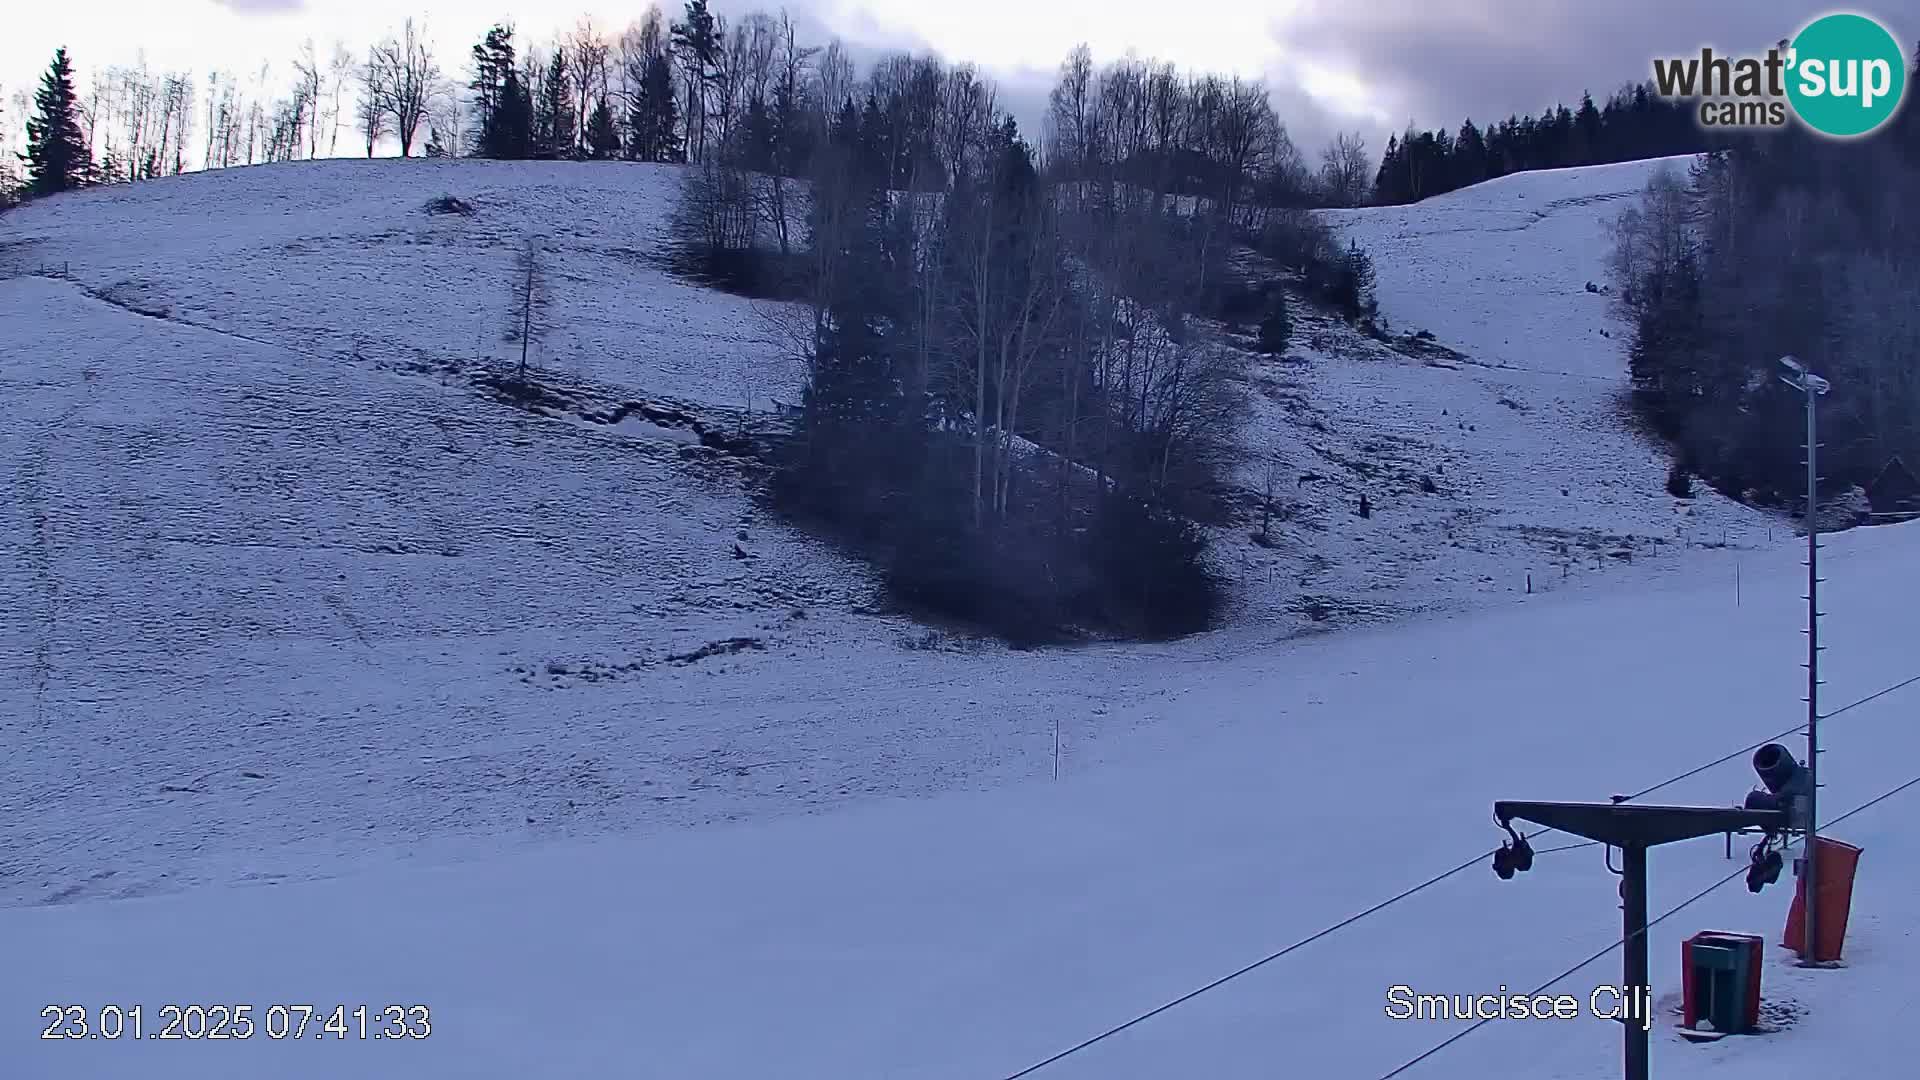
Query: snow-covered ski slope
point(1502, 268)
point(310, 591)
point(969, 935)
point(289, 596)
point(1514, 410)
point(260, 502)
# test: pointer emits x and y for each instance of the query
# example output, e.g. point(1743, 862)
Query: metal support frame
point(1633, 829)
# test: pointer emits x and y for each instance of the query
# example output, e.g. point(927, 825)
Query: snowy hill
point(262, 525)
point(293, 594)
point(264, 494)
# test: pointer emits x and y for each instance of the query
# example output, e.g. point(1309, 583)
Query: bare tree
point(176, 123)
point(286, 135)
point(1040, 298)
point(745, 53)
point(789, 72)
point(371, 111)
point(96, 116)
point(140, 100)
point(137, 122)
point(1650, 238)
point(409, 77)
point(13, 116)
point(1119, 125)
point(637, 45)
point(445, 113)
point(1345, 171)
point(962, 121)
point(309, 77)
point(715, 214)
point(93, 114)
point(833, 78)
point(224, 113)
point(339, 72)
point(527, 316)
point(1070, 108)
point(1009, 297)
point(256, 118)
point(587, 51)
point(1271, 471)
point(1244, 138)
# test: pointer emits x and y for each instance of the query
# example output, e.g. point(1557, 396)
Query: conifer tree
point(1277, 328)
point(698, 44)
point(1470, 155)
point(1633, 124)
point(498, 96)
point(1586, 132)
point(1354, 291)
point(57, 157)
point(603, 139)
point(511, 137)
point(653, 117)
point(554, 121)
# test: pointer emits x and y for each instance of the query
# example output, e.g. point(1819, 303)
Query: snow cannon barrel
point(1778, 769)
point(1786, 781)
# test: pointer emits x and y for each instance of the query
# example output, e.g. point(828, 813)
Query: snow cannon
point(1786, 784)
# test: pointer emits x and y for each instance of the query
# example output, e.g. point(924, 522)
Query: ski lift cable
point(1435, 880)
point(1550, 983)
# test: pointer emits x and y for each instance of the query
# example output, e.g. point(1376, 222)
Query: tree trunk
point(982, 319)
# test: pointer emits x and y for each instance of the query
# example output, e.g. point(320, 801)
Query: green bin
point(1721, 983)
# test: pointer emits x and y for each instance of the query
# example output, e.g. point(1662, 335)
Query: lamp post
point(1813, 386)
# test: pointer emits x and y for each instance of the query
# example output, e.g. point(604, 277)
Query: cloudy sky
point(1372, 65)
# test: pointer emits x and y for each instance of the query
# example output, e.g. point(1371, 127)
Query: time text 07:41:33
point(211, 1022)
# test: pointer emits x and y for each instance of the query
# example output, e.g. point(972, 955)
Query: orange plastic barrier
point(1835, 864)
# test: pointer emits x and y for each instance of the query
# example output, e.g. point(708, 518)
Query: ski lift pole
point(1813, 386)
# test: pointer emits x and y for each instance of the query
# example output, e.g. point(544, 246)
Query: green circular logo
point(1846, 74)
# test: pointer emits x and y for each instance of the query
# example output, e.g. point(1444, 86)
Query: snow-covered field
point(972, 934)
point(288, 598)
